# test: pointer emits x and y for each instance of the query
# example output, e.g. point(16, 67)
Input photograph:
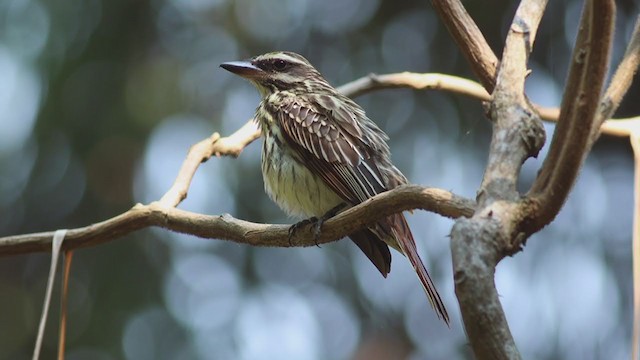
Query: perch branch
point(226, 227)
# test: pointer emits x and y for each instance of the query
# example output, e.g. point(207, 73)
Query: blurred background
point(101, 99)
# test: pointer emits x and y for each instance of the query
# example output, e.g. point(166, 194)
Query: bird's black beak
point(243, 68)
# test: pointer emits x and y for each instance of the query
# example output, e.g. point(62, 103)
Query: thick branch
point(571, 140)
point(517, 131)
point(484, 63)
point(478, 243)
point(466, 34)
point(226, 227)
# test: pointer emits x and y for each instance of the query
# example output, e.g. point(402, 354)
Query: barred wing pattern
point(344, 158)
point(337, 142)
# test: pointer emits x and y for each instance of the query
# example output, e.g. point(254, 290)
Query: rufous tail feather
point(402, 233)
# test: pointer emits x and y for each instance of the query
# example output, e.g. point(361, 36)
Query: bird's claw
point(317, 229)
point(317, 222)
point(295, 227)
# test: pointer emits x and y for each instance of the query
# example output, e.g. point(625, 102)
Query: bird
point(321, 153)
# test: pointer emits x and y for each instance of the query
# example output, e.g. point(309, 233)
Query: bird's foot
point(295, 227)
point(316, 222)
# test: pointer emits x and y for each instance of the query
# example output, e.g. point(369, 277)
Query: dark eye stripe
point(280, 64)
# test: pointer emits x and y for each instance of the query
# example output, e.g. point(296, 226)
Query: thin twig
point(621, 127)
point(620, 82)
point(64, 308)
point(456, 85)
point(635, 249)
point(416, 81)
point(56, 240)
point(214, 145)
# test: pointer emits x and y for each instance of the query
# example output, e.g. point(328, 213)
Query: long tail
point(402, 233)
point(375, 248)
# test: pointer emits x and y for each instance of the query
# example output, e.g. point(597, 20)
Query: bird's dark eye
point(279, 64)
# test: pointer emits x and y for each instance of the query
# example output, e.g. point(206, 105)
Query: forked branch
point(477, 243)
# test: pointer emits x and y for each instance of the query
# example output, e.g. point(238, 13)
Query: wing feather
point(331, 150)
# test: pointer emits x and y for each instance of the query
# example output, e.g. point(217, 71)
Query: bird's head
point(278, 71)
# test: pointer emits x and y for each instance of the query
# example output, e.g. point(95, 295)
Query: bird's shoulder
point(314, 132)
point(332, 115)
point(337, 111)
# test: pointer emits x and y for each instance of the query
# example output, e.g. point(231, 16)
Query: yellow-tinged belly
point(292, 186)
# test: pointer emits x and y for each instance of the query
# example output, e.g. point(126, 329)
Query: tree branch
point(226, 227)
point(214, 145)
point(619, 84)
point(484, 64)
point(416, 81)
point(456, 85)
point(470, 40)
point(478, 243)
point(635, 248)
point(517, 132)
point(620, 127)
point(571, 140)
